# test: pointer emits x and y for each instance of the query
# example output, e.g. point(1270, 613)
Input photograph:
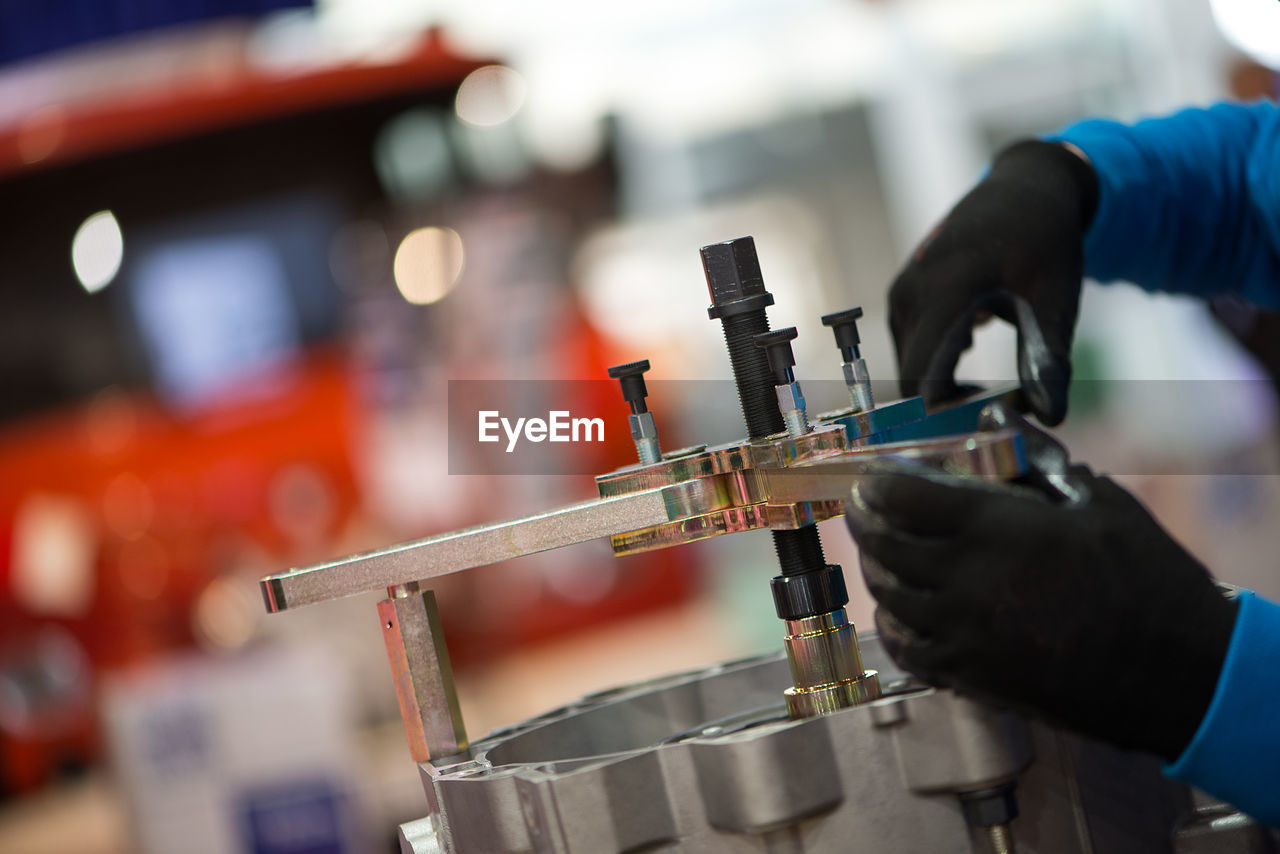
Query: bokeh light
point(227, 613)
point(97, 251)
point(427, 264)
point(490, 96)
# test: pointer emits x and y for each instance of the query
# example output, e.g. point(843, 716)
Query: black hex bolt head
point(631, 377)
point(777, 346)
point(845, 326)
point(997, 805)
point(733, 277)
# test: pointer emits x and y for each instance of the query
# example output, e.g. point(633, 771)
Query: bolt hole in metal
point(776, 713)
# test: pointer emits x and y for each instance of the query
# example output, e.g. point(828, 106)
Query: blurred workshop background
point(246, 244)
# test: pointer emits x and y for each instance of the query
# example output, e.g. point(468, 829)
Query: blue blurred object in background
point(30, 29)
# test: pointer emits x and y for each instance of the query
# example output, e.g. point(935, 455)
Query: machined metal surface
point(815, 485)
point(996, 455)
point(420, 837)
point(815, 481)
point(708, 763)
point(731, 459)
point(422, 673)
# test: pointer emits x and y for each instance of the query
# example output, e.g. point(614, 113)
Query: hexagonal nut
point(856, 372)
point(732, 269)
point(790, 397)
point(643, 426)
point(990, 807)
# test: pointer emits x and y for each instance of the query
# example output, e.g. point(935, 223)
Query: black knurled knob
point(777, 346)
point(845, 326)
point(808, 592)
point(631, 377)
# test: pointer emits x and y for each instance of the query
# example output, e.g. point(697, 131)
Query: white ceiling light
point(1253, 26)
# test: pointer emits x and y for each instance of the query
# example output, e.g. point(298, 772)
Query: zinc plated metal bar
point(469, 548)
point(994, 455)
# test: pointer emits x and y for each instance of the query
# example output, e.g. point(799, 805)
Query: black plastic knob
point(777, 346)
point(631, 377)
point(845, 325)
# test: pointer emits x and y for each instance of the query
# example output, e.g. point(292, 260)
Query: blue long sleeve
point(1189, 203)
point(1235, 753)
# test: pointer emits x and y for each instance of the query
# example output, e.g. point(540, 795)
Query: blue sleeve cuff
point(1123, 172)
point(1235, 753)
point(1187, 203)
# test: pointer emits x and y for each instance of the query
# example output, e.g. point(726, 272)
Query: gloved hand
point(1069, 603)
point(1014, 246)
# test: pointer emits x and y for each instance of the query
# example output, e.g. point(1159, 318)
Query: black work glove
point(1069, 603)
point(1014, 246)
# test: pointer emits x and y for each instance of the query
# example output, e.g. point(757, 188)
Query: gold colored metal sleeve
point(826, 666)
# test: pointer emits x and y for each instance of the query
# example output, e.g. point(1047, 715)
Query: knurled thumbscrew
point(777, 346)
point(631, 377)
point(845, 326)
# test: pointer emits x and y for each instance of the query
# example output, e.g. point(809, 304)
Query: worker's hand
point(1076, 606)
point(1014, 247)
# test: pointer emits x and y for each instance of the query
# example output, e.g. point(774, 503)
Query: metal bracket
point(423, 676)
point(781, 482)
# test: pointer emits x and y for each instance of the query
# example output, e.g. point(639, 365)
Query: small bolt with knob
point(644, 432)
point(777, 346)
point(845, 326)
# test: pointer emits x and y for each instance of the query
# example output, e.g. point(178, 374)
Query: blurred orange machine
point(126, 521)
point(117, 518)
point(121, 523)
